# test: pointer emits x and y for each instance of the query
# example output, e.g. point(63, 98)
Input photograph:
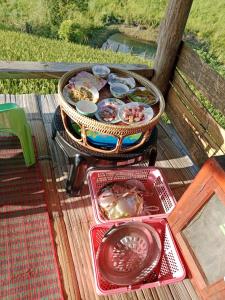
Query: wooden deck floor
point(72, 216)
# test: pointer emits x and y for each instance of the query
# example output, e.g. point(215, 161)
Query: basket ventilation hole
point(163, 194)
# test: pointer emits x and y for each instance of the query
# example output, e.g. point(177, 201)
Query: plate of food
point(89, 80)
point(134, 113)
point(141, 94)
point(108, 110)
point(76, 92)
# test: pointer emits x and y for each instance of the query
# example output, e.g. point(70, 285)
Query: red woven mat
point(28, 266)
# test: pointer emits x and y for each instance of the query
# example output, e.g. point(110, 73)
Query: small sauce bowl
point(86, 107)
point(100, 71)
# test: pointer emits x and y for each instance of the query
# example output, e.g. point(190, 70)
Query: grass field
point(24, 47)
point(206, 20)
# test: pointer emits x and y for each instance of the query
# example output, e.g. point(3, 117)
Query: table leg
point(54, 131)
point(76, 174)
point(152, 156)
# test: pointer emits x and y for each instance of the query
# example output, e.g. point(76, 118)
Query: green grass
point(24, 47)
point(207, 21)
point(215, 113)
point(145, 12)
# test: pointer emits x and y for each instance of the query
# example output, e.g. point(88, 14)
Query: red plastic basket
point(160, 197)
point(171, 269)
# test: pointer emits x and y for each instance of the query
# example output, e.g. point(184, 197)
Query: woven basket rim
point(94, 123)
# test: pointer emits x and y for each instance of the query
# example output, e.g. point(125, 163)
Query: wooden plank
point(47, 105)
point(172, 28)
point(189, 99)
point(190, 289)
point(71, 288)
point(179, 291)
point(189, 137)
point(29, 103)
point(51, 70)
point(74, 210)
point(176, 166)
point(204, 78)
point(194, 136)
point(150, 294)
point(164, 293)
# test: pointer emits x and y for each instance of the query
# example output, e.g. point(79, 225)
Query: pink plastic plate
point(128, 253)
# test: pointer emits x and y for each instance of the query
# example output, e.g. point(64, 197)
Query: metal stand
point(80, 158)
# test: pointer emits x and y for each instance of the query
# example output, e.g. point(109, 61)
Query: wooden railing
point(201, 134)
point(54, 70)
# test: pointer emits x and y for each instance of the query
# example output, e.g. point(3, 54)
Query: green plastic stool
point(13, 120)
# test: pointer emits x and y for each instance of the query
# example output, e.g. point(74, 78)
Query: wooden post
point(170, 36)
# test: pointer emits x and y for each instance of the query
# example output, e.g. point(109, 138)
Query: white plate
point(66, 93)
point(141, 98)
point(148, 112)
point(114, 102)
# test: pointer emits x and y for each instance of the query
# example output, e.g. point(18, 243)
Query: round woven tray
point(118, 131)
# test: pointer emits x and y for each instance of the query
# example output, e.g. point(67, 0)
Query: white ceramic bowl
point(100, 71)
point(119, 90)
point(86, 107)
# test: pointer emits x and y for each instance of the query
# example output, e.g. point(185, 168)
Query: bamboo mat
point(28, 266)
point(72, 216)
